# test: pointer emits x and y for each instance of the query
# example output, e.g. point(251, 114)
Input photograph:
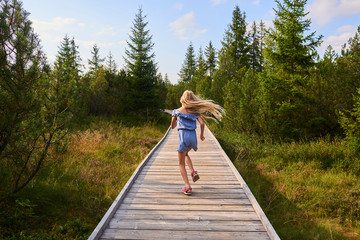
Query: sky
point(173, 24)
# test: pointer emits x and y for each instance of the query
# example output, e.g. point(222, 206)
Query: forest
point(292, 124)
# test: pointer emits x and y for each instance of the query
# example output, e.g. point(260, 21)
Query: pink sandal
point(195, 176)
point(187, 191)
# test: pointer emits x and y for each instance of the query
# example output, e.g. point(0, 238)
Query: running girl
point(193, 108)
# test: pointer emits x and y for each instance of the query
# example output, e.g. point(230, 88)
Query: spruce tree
point(289, 58)
point(233, 55)
point(66, 76)
point(210, 53)
point(292, 50)
point(142, 68)
point(111, 64)
point(200, 77)
point(32, 122)
point(96, 61)
point(21, 65)
point(255, 48)
point(188, 68)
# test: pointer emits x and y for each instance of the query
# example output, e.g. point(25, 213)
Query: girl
point(193, 108)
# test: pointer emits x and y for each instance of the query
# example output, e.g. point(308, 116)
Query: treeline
point(273, 82)
point(39, 103)
point(270, 81)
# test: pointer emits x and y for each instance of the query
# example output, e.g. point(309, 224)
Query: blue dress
point(186, 123)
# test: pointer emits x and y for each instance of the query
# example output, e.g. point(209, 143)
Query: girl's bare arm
point(202, 127)
point(173, 122)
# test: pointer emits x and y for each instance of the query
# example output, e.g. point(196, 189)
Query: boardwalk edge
point(269, 228)
point(114, 206)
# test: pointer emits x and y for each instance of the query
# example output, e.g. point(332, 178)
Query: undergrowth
point(67, 199)
point(308, 189)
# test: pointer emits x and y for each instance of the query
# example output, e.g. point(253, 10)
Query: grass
point(308, 190)
point(68, 198)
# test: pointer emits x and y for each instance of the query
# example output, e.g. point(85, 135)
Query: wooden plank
point(207, 191)
point(175, 157)
point(177, 171)
point(187, 215)
point(166, 234)
point(204, 178)
point(197, 195)
point(178, 186)
point(188, 225)
point(214, 182)
point(188, 201)
point(198, 207)
point(198, 168)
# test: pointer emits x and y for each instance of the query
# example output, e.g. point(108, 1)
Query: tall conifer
point(141, 67)
point(292, 50)
point(233, 55)
point(96, 61)
point(210, 53)
point(188, 68)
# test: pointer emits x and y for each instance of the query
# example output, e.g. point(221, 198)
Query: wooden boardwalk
point(152, 206)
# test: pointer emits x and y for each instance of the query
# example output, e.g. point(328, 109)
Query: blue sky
point(173, 24)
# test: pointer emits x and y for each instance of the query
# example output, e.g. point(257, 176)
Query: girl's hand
point(202, 137)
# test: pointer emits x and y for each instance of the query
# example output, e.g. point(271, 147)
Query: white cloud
point(323, 11)
point(346, 28)
point(54, 24)
point(217, 2)
point(107, 31)
point(186, 28)
point(178, 6)
point(90, 44)
point(122, 42)
point(342, 35)
point(268, 24)
point(81, 26)
point(256, 2)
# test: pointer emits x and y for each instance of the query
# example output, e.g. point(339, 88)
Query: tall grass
point(309, 190)
point(67, 199)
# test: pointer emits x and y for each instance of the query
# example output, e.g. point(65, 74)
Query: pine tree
point(21, 60)
point(210, 53)
point(141, 68)
point(233, 55)
point(111, 64)
point(350, 80)
point(188, 68)
point(201, 79)
point(255, 48)
point(66, 76)
point(31, 126)
point(96, 61)
point(292, 50)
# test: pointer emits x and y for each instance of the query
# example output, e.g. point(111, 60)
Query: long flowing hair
point(206, 108)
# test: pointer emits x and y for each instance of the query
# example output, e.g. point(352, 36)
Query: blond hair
point(206, 108)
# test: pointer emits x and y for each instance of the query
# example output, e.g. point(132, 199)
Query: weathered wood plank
point(172, 207)
point(197, 195)
point(205, 191)
point(178, 186)
point(188, 225)
point(187, 201)
point(165, 234)
point(162, 181)
point(198, 215)
point(203, 178)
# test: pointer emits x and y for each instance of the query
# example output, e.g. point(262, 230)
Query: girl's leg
point(181, 156)
point(188, 161)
